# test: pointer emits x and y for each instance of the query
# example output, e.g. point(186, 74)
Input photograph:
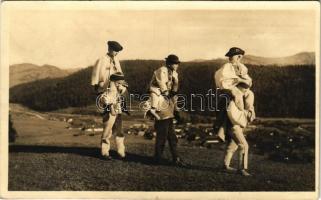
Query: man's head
point(235, 54)
point(113, 48)
point(172, 61)
point(120, 83)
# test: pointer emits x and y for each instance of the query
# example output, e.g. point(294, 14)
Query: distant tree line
point(287, 91)
point(52, 94)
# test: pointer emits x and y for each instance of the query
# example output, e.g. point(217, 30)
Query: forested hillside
point(287, 91)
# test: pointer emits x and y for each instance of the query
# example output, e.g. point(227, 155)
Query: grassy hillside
point(47, 156)
point(280, 92)
point(26, 72)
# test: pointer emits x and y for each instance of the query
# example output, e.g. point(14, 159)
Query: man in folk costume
point(112, 104)
point(106, 66)
point(163, 88)
point(235, 109)
point(100, 79)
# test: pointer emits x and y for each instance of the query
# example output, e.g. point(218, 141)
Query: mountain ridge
point(28, 72)
point(301, 58)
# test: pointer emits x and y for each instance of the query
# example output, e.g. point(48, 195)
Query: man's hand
point(175, 77)
point(101, 84)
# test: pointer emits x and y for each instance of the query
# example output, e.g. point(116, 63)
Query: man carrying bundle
point(237, 110)
point(108, 79)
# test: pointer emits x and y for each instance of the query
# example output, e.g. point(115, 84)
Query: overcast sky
point(69, 39)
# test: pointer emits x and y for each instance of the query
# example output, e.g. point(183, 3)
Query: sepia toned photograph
point(207, 98)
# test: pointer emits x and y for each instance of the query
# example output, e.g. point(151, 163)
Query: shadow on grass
point(95, 153)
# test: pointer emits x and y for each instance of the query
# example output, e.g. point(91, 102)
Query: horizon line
point(193, 60)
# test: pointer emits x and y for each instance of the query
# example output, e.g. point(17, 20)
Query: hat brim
point(172, 62)
point(116, 78)
point(115, 46)
point(116, 49)
point(230, 54)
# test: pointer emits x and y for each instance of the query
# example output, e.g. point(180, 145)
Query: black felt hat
point(118, 76)
point(172, 59)
point(235, 51)
point(114, 46)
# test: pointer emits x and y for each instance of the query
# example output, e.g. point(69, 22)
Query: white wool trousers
point(237, 142)
point(113, 123)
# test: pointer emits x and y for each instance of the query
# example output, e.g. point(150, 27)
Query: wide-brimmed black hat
point(172, 59)
point(114, 46)
point(118, 76)
point(235, 51)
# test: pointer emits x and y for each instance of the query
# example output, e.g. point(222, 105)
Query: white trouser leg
point(248, 100)
point(231, 148)
point(120, 146)
point(240, 140)
point(249, 103)
point(106, 135)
